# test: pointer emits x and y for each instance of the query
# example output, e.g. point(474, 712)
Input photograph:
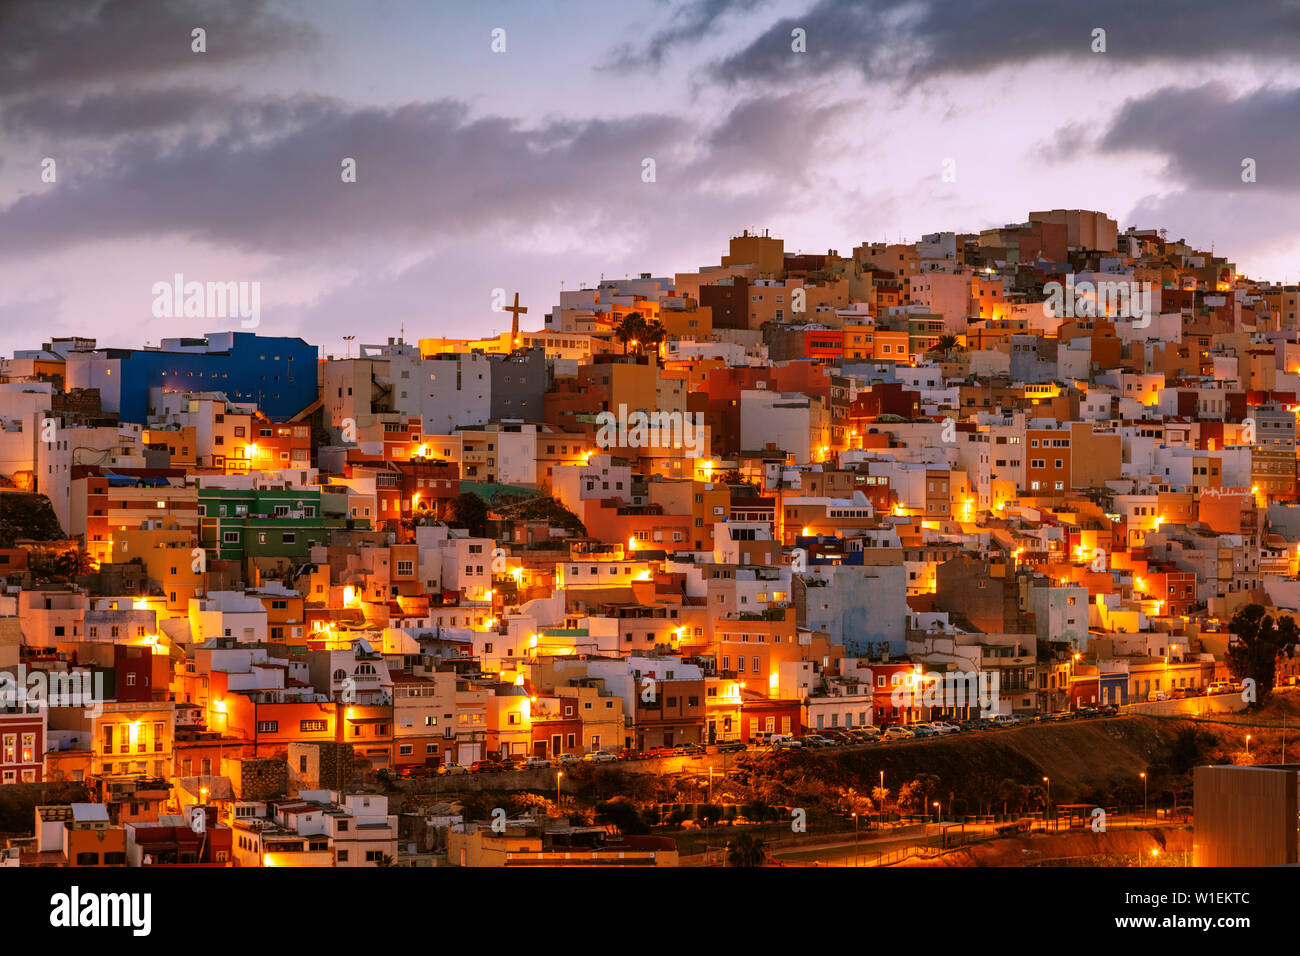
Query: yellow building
point(168, 558)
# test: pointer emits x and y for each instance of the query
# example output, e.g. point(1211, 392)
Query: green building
point(236, 524)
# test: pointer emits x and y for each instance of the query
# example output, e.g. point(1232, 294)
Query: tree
point(543, 508)
point(915, 794)
point(47, 564)
point(733, 476)
point(468, 511)
point(881, 796)
point(945, 343)
point(1257, 642)
point(654, 334)
point(641, 334)
point(747, 850)
point(631, 330)
point(622, 813)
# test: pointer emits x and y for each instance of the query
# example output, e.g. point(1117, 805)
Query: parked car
point(536, 763)
point(869, 729)
point(1108, 710)
point(688, 750)
point(659, 752)
point(731, 746)
point(943, 727)
point(816, 740)
point(898, 733)
point(452, 769)
point(567, 759)
point(1156, 695)
point(627, 753)
point(486, 765)
point(601, 756)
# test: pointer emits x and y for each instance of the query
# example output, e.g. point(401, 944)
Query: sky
point(521, 169)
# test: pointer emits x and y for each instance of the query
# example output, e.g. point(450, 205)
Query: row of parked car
point(857, 736)
point(839, 737)
point(496, 764)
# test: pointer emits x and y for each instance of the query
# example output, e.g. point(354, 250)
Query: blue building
point(277, 373)
point(1114, 688)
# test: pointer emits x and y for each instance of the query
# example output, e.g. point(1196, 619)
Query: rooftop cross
point(515, 311)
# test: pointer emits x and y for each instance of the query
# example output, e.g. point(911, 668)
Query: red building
point(133, 666)
point(885, 679)
point(768, 715)
point(159, 844)
point(1177, 589)
point(22, 747)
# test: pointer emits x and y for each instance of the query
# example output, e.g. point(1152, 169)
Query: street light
point(1144, 798)
point(558, 776)
point(882, 801)
point(1048, 812)
point(1248, 746)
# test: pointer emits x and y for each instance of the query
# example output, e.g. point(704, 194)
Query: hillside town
point(379, 602)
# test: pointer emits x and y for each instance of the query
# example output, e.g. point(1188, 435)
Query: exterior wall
point(276, 372)
point(1245, 816)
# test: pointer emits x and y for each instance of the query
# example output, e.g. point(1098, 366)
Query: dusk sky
point(522, 169)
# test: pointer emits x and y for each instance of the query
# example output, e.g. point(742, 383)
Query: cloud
point(915, 40)
point(61, 44)
point(269, 178)
point(773, 135)
point(265, 177)
point(111, 113)
point(1204, 134)
point(691, 23)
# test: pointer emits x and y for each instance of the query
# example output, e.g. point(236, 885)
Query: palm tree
point(945, 343)
point(747, 850)
point(653, 334)
point(631, 329)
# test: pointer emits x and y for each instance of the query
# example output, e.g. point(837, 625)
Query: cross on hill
point(515, 311)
